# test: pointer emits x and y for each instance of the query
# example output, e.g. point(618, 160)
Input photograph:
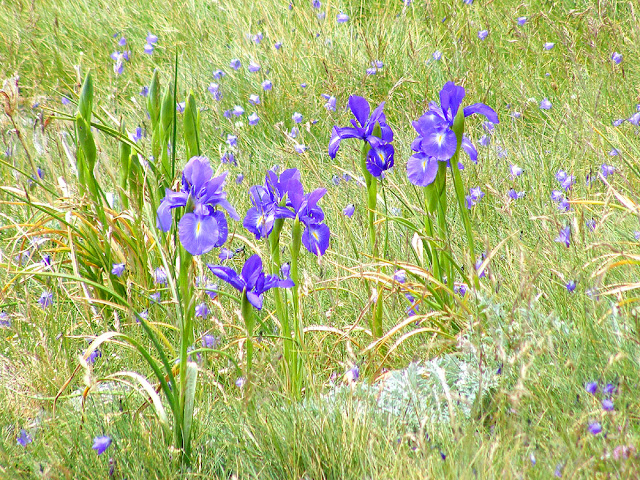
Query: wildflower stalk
point(249, 323)
point(298, 332)
point(458, 128)
point(290, 357)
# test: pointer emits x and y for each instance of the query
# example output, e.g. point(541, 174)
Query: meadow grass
point(545, 341)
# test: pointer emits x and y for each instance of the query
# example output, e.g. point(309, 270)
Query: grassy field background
point(539, 342)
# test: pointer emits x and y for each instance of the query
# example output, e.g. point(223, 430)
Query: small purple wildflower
point(254, 99)
point(437, 55)
point(545, 104)
point(100, 444)
point(209, 341)
point(253, 67)
point(238, 111)
point(214, 90)
point(239, 178)
point(5, 321)
point(267, 85)
point(218, 74)
point(548, 45)
point(160, 276)
point(514, 195)
point(155, 297)
point(571, 286)
point(240, 382)
point(342, 18)
point(607, 405)
point(564, 236)
point(349, 210)
point(24, 439)
point(483, 34)
point(607, 170)
point(180, 107)
point(65, 100)
point(232, 140)
point(148, 49)
point(297, 117)
point(300, 148)
point(253, 119)
point(591, 387)
point(151, 38)
point(515, 170)
point(202, 310)
point(609, 389)
point(118, 269)
point(616, 57)
point(595, 428)
point(235, 64)
point(46, 299)
point(521, 21)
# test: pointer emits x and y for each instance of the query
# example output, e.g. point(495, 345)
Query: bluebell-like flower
point(253, 119)
point(232, 140)
point(437, 55)
point(148, 48)
point(607, 405)
point(252, 280)
point(591, 387)
point(257, 38)
point(253, 67)
point(514, 195)
point(545, 104)
point(521, 21)
point(349, 210)
point(218, 74)
point(202, 310)
point(267, 85)
point(118, 269)
point(342, 18)
point(300, 148)
point(277, 45)
point(46, 299)
point(549, 45)
point(595, 428)
point(331, 102)
point(297, 117)
point(571, 286)
point(564, 236)
point(255, 99)
point(483, 34)
point(616, 57)
point(436, 140)
point(160, 276)
point(101, 443)
point(515, 170)
point(5, 321)
point(363, 126)
point(204, 226)
point(607, 170)
point(235, 64)
point(214, 90)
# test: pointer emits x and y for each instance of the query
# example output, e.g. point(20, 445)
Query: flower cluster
point(203, 226)
point(284, 197)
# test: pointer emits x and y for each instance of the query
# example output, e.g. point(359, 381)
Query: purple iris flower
point(549, 45)
point(203, 226)
point(607, 405)
point(616, 57)
point(235, 64)
point(564, 236)
point(342, 18)
point(380, 159)
point(253, 119)
point(437, 55)
point(100, 444)
point(253, 67)
point(515, 170)
point(218, 74)
point(363, 126)
point(297, 117)
point(252, 280)
point(436, 140)
point(482, 34)
point(571, 286)
point(202, 310)
point(267, 85)
point(522, 20)
point(591, 387)
point(254, 99)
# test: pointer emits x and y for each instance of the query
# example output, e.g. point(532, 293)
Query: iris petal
point(422, 169)
point(482, 109)
point(198, 234)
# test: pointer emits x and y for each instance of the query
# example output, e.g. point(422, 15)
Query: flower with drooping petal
point(363, 126)
point(203, 226)
point(380, 159)
point(564, 236)
point(100, 444)
point(436, 140)
point(252, 281)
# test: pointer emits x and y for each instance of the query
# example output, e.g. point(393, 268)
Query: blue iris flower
point(251, 280)
point(204, 226)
